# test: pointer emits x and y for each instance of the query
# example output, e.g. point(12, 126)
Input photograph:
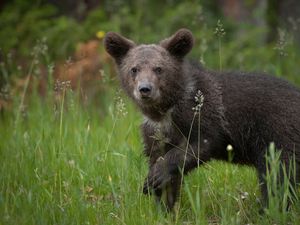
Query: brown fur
point(247, 111)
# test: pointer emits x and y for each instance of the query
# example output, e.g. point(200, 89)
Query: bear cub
point(191, 114)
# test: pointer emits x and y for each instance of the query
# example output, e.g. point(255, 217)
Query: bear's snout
point(146, 92)
point(145, 89)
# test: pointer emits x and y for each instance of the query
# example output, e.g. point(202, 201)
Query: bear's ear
point(117, 46)
point(180, 43)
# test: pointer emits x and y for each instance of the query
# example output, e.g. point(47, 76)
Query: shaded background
point(62, 40)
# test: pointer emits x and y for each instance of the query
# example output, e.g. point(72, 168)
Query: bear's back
point(261, 109)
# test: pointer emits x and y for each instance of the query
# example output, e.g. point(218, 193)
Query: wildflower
point(281, 43)
point(219, 30)
point(199, 98)
point(40, 48)
point(100, 34)
point(229, 148)
point(62, 85)
point(244, 195)
point(120, 106)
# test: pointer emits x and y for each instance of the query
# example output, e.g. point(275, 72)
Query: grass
point(65, 163)
point(76, 166)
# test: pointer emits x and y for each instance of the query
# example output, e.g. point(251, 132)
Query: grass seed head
point(199, 98)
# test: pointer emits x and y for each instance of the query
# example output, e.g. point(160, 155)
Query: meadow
point(65, 161)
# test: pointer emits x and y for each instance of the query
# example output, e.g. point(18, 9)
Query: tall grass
point(78, 168)
point(220, 32)
point(281, 192)
point(62, 163)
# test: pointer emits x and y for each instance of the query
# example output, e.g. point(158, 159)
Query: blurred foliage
point(23, 23)
point(243, 47)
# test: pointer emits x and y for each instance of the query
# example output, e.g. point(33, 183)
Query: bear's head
point(151, 74)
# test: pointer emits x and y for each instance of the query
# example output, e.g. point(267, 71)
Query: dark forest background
point(258, 35)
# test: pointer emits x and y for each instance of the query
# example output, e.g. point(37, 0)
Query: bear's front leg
point(159, 175)
point(164, 184)
point(165, 175)
point(172, 191)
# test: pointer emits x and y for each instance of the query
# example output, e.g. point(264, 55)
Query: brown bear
point(192, 115)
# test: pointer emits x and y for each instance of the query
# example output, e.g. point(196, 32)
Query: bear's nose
point(145, 89)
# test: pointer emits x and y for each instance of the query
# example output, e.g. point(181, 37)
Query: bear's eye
point(158, 70)
point(134, 70)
